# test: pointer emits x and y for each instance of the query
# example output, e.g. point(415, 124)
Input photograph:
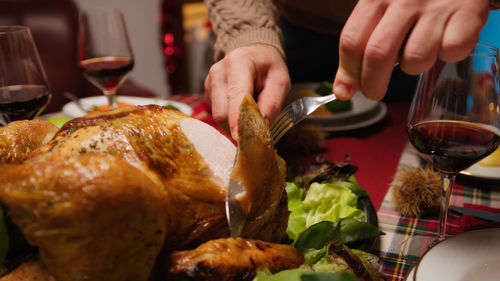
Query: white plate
point(469, 256)
point(353, 122)
point(360, 104)
point(484, 172)
point(73, 110)
point(358, 121)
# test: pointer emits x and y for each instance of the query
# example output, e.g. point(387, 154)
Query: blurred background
point(171, 40)
point(143, 23)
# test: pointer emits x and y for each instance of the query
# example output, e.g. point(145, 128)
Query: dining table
point(381, 151)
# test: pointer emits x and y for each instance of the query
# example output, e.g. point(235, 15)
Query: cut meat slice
point(217, 150)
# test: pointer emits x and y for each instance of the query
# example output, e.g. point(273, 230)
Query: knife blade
point(236, 217)
point(491, 216)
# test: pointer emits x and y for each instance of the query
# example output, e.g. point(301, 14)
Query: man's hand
point(253, 69)
point(380, 33)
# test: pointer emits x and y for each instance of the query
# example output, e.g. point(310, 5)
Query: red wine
point(106, 72)
point(21, 102)
point(453, 146)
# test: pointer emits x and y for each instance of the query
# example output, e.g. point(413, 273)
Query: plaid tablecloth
point(406, 239)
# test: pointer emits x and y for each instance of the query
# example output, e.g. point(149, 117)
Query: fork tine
point(284, 115)
point(279, 130)
point(294, 113)
point(280, 133)
point(280, 117)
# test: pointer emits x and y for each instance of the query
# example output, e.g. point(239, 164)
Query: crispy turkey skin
point(19, 138)
point(231, 259)
point(111, 190)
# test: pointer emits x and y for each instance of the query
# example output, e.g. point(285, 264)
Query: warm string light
point(170, 50)
point(171, 46)
point(175, 17)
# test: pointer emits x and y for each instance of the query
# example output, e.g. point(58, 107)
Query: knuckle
point(455, 50)
point(414, 56)
point(235, 91)
point(349, 43)
point(452, 45)
point(235, 57)
point(214, 69)
point(283, 81)
point(375, 53)
point(417, 60)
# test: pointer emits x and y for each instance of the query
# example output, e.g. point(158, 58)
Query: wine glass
point(454, 117)
point(105, 54)
point(24, 88)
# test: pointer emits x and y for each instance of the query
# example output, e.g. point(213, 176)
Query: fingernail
point(342, 90)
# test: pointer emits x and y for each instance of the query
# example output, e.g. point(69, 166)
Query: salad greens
point(303, 275)
point(325, 222)
point(172, 107)
point(322, 202)
point(346, 231)
point(58, 121)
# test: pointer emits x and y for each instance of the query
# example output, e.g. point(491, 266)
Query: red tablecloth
point(375, 150)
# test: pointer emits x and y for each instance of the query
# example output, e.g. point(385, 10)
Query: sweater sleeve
point(237, 23)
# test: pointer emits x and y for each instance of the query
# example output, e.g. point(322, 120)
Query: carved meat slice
point(262, 173)
point(231, 259)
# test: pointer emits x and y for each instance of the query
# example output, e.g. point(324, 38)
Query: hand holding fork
point(295, 112)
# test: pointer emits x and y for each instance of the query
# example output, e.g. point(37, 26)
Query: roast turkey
point(110, 191)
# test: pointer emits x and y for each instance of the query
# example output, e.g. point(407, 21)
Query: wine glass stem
point(111, 98)
point(447, 182)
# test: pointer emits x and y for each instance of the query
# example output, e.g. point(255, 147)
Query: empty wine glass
point(105, 54)
point(454, 117)
point(24, 88)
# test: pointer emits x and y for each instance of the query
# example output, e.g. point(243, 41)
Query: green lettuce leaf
point(300, 274)
point(298, 214)
point(346, 231)
point(330, 201)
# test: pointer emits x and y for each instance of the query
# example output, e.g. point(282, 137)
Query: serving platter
point(355, 122)
point(483, 172)
point(473, 255)
point(72, 109)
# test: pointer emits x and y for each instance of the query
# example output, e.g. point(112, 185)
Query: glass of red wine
point(24, 88)
point(105, 54)
point(454, 117)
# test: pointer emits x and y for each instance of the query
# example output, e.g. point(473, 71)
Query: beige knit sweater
point(241, 22)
